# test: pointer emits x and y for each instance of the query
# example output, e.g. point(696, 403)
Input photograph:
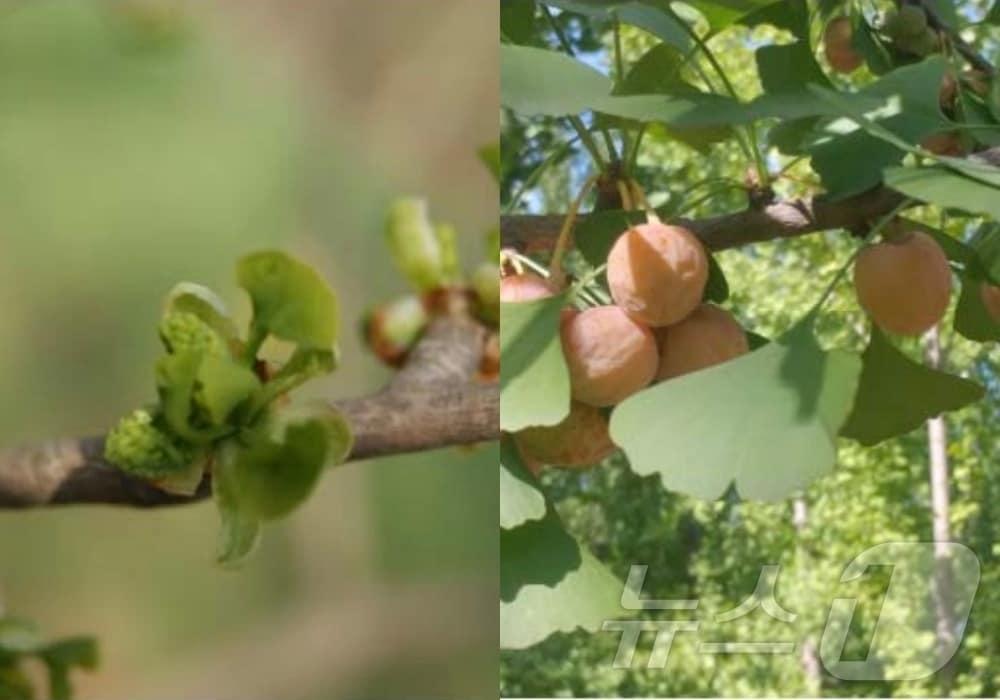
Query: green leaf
point(239, 532)
point(517, 20)
point(520, 499)
point(946, 188)
point(490, 156)
point(851, 159)
point(539, 82)
point(304, 365)
point(972, 320)
point(290, 300)
point(549, 583)
point(238, 537)
point(18, 636)
point(896, 394)
point(60, 657)
point(223, 385)
point(658, 72)
point(176, 377)
point(188, 297)
point(717, 287)
point(767, 421)
point(272, 471)
point(534, 379)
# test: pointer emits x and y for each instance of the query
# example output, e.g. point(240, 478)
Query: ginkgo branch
point(435, 401)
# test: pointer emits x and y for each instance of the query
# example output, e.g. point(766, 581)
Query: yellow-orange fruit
point(709, 336)
point(944, 143)
point(580, 440)
point(990, 294)
point(609, 354)
point(837, 46)
point(657, 273)
point(524, 287)
point(904, 283)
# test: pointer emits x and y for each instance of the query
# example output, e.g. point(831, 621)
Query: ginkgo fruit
point(840, 54)
point(526, 286)
point(580, 440)
point(657, 273)
point(609, 354)
point(904, 283)
point(990, 295)
point(709, 336)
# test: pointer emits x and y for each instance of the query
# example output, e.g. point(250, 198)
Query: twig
point(433, 402)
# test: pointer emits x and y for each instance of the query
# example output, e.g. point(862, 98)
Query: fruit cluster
point(658, 328)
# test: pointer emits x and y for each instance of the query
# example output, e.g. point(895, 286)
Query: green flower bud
point(138, 447)
point(448, 239)
point(391, 330)
point(184, 332)
point(414, 245)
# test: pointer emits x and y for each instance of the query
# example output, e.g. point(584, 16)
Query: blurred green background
point(143, 143)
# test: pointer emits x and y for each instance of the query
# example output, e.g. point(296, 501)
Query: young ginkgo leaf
point(414, 244)
point(222, 385)
point(188, 297)
point(276, 469)
point(290, 300)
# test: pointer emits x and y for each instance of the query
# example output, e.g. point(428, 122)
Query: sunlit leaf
point(290, 300)
point(766, 421)
point(520, 499)
point(534, 379)
point(549, 583)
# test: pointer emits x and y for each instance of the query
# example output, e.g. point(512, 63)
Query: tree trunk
point(942, 584)
point(808, 655)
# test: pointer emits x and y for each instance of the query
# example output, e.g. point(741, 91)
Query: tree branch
point(782, 219)
point(433, 402)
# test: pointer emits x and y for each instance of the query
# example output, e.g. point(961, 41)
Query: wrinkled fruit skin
point(580, 440)
point(610, 356)
point(990, 294)
point(904, 284)
point(709, 336)
point(524, 287)
point(837, 46)
point(657, 273)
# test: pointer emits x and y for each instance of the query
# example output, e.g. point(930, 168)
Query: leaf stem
point(751, 147)
point(556, 273)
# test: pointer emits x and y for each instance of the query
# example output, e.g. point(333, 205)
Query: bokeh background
point(142, 143)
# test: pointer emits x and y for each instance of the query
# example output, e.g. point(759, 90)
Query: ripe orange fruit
point(837, 46)
point(904, 283)
point(609, 354)
point(580, 440)
point(709, 336)
point(657, 273)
